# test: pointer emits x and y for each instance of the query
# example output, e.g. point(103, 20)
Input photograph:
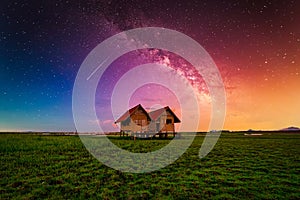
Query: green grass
point(239, 167)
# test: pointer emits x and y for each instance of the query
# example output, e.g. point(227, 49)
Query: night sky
point(255, 45)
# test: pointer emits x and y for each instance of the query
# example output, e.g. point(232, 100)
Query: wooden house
point(135, 120)
point(138, 122)
point(163, 121)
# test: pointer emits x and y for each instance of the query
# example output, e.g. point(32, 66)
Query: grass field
point(239, 167)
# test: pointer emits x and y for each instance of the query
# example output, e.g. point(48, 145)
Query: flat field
point(239, 167)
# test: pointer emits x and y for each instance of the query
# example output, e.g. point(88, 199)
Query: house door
point(157, 127)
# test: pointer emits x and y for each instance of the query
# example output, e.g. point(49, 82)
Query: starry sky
point(255, 45)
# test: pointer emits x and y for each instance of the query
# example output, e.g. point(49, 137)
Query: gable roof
point(130, 112)
point(157, 113)
point(154, 115)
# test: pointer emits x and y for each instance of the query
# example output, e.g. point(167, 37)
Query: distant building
point(138, 122)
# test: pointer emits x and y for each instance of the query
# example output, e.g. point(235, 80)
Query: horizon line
point(200, 131)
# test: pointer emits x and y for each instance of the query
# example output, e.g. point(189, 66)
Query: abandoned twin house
point(137, 122)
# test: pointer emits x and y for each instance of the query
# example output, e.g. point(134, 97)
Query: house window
point(126, 122)
point(169, 121)
point(138, 122)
